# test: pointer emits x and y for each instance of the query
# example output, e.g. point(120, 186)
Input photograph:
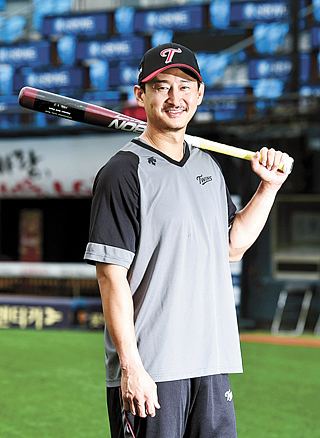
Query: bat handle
point(231, 151)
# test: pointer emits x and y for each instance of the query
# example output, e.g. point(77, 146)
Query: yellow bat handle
point(233, 151)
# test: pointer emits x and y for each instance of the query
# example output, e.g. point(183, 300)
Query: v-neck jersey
point(168, 225)
point(186, 152)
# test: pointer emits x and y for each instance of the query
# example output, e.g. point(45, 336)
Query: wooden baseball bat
point(72, 109)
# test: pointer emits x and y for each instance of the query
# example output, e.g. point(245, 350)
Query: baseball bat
point(76, 110)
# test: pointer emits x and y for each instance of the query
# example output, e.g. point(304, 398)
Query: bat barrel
point(76, 110)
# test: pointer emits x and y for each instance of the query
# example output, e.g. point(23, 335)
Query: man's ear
point(200, 93)
point(139, 94)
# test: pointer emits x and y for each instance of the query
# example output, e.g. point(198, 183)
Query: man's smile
point(175, 112)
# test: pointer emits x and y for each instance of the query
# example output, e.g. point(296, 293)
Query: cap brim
point(152, 75)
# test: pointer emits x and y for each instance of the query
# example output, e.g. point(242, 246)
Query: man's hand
point(139, 392)
point(266, 163)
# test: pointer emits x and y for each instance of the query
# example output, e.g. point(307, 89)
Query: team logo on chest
point(203, 179)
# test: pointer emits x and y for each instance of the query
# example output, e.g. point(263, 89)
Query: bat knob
point(289, 166)
point(27, 96)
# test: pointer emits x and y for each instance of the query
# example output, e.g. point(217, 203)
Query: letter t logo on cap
point(169, 54)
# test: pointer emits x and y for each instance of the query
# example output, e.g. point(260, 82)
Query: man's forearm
point(139, 391)
point(118, 312)
point(250, 221)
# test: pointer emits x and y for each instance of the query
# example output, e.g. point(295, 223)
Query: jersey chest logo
point(152, 160)
point(203, 179)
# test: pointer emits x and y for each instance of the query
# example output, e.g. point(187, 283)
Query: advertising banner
point(179, 18)
point(82, 24)
point(52, 79)
point(55, 167)
point(31, 54)
point(39, 313)
point(270, 68)
point(50, 313)
point(253, 12)
point(225, 104)
point(113, 49)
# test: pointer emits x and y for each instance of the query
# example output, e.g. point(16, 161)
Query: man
point(163, 229)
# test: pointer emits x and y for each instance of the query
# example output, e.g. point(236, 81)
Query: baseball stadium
point(159, 218)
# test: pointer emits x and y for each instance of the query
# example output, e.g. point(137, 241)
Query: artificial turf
point(52, 386)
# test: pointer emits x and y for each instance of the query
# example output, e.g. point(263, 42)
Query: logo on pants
point(228, 395)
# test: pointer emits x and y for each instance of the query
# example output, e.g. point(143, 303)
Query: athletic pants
point(200, 407)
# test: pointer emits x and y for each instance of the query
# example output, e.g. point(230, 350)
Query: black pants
point(201, 407)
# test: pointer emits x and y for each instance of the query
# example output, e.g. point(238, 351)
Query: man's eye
point(163, 88)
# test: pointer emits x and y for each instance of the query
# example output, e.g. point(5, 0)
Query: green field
point(52, 386)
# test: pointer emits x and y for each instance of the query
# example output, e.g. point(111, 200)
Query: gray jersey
point(167, 222)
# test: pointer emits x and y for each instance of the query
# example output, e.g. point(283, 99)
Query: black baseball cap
point(166, 56)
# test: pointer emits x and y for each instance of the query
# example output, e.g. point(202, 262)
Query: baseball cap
point(165, 56)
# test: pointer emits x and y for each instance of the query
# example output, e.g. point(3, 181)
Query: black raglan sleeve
point(115, 212)
point(232, 209)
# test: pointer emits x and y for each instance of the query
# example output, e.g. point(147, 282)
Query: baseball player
point(163, 231)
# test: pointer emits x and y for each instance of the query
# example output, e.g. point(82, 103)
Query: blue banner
point(268, 88)
point(224, 104)
point(267, 91)
point(52, 79)
point(271, 37)
point(33, 54)
point(38, 313)
point(82, 24)
point(50, 312)
point(2, 5)
point(259, 11)
point(220, 13)
point(124, 19)
point(270, 68)
point(113, 49)
point(179, 18)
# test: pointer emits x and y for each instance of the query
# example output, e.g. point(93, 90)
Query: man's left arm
point(249, 221)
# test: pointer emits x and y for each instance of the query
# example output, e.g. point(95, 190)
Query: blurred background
point(261, 65)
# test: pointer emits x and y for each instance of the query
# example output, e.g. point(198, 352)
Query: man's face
point(170, 99)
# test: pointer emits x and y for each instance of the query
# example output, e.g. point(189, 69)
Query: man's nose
point(174, 96)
